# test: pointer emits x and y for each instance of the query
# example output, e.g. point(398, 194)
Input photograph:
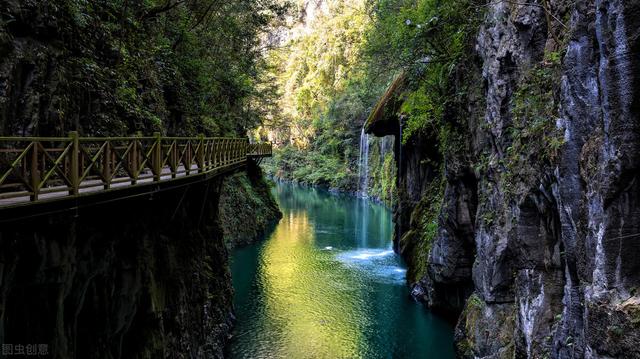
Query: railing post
point(187, 157)
point(200, 154)
point(214, 154)
point(223, 148)
point(174, 158)
point(35, 172)
point(208, 153)
point(106, 166)
point(234, 149)
point(157, 157)
point(227, 149)
point(219, 147)
point(75, 163)
point(133, 165)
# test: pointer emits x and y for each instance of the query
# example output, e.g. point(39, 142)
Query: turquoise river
point(326, 284)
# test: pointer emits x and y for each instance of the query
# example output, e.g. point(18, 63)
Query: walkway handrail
point(34, 166)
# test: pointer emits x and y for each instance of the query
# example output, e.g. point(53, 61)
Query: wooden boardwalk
point(43, 169)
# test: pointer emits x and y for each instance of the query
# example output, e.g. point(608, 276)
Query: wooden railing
point(260, 150)
point(61, 166)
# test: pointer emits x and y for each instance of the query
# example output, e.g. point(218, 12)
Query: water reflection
point(327, 285)
point(306, 303)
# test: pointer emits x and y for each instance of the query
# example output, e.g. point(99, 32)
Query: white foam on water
point(377, 263)
point(366, 254)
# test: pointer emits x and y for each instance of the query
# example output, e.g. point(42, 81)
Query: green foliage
point(311, 167)
point(536, 140)
point(470, 317)
point(332, 75)
point(428, 39)
point(316, 67)
point(474, 302)
point(324, 98)
point(383, 176)
point(422, 111)
point(424, 229)
point(177, 66)
point(246, 208)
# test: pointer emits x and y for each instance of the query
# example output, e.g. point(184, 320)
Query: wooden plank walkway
point(44, 169)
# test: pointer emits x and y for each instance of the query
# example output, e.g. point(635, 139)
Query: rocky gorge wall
point(145, 277)
point(538, 217)
point(247, 208)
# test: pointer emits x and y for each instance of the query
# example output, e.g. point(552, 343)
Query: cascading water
point(386, 144)
point(398, 142)
point(363, 184)
point(363, 165)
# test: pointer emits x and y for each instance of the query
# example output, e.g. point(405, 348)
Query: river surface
point(326, 284)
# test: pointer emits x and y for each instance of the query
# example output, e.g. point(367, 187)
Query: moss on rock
point(247, 207)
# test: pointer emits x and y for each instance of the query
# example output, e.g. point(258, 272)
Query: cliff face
point(247, 208)
point(65, 68)
point(111, 68)
point(137, 278)
point(539, 217)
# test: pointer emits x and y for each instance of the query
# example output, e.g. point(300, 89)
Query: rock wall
point(538, 221)
point(112, 69)
point(247, 208)
point(143, 277)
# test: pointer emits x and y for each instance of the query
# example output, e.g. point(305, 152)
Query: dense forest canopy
point(310, 71)
point(120, 66)
point(333, 67)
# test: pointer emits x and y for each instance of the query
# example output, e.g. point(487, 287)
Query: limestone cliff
point(538, 214)
point(247, 208)
point(144, 277)
point(137, 278)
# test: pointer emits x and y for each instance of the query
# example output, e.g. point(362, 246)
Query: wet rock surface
point(247, 208)
point(145, 277)
point(545, 242)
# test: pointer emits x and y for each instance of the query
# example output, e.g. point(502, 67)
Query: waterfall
point(363, 164)
point(386, 144)
point(398, 142)
point(400, 150)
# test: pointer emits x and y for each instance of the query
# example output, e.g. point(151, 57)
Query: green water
point(326, 284)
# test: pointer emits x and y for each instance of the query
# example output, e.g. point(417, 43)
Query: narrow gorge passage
point(326, 284)
point(139, 140)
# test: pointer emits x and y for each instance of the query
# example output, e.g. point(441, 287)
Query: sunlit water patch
point(326, 284)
